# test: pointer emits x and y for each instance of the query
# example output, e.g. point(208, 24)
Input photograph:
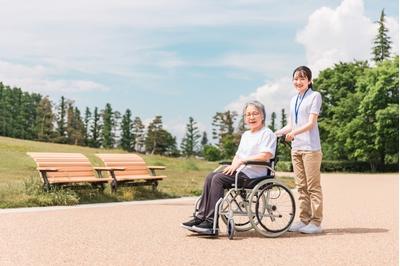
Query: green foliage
point(190, 142)
point(159, 140)
point(95, 130)
point(381, 45)
point(109, 123)
point(138, 135)
point(126, 141)
point(211, 153)
point(272, 126)
point(359, 119)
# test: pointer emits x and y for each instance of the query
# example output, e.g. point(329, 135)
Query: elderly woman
point(256, 144)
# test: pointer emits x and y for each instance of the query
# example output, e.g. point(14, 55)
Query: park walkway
point(360, 228)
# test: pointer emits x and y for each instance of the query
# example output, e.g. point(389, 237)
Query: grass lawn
point(20, 184)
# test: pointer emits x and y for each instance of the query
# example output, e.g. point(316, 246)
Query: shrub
point(211, 153)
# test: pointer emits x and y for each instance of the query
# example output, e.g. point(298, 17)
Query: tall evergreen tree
point(86, 123)
point(95, 130)
point(153, 137)
point(189, 145)
point(283, 118)
point(126, 128)
point(138, 135)
point(61, 116)
point(381, 47)
point(108, 137)
point(44, 120)
point(204, 139)
point(272, 125)
point(223, 124)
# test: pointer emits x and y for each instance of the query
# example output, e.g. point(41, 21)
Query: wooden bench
point(136, 172)
point(69, 169)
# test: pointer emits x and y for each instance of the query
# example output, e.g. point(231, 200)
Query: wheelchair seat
point(251, 183)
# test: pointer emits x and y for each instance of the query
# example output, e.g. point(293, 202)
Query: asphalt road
point(360, 228)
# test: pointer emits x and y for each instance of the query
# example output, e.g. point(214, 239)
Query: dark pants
point(214, 186)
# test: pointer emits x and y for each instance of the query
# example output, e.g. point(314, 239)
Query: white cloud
point(37, 79)
point(341, 34)
point(274, 95)
point(330, 36)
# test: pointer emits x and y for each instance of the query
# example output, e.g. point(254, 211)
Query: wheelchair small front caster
point(231, 228)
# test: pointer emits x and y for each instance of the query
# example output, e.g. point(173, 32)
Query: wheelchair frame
point(253, 204)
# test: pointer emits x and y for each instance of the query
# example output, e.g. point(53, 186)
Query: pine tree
point(153, 137)
point(108, 137)
point(273, 118)
point(138, 136)
point(61, 121)
point(223, 124)
point(189, 145)
point(44, 120)
point(126, 127)
point(283, 118)
point(204, 139)
point(381, 48)
point(95, 130)
point(86, 122)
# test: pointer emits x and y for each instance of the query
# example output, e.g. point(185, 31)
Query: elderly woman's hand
point(229, 170)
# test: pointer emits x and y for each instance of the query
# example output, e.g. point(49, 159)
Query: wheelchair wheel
point(231, 228)
point(237, 203)
point(274, 208)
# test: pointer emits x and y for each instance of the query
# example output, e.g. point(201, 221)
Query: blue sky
point(180, 58)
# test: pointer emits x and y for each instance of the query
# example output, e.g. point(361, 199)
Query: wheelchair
point(264, 204)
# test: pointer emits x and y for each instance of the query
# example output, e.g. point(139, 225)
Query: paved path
point(360, 228)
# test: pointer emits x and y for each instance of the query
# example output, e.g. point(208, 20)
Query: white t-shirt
point(311, 104)
point(263, 140)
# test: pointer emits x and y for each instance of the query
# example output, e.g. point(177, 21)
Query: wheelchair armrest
point(225, 163)
point(257, 163)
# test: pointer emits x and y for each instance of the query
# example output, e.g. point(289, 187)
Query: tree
point(138, 135)
point(378, 91)
point(126, 127)
point(272, 125)
point(109, 123)
point(223, 125)
point(381, 47)
point(95, 130)
point(159, 140)
point(86, 122)
point(61, 121)
point(44, 120)
point(283, 118)
point(153, 136)
point(189, 145)
point(204, 139)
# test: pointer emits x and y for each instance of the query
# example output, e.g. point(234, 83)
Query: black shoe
point(206, 227)
point(189, 224)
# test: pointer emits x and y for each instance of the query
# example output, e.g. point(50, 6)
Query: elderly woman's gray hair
point(260, 107)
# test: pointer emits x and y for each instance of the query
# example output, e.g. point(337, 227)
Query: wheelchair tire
point(231, 228)
point(274, 208)
point(243, 223)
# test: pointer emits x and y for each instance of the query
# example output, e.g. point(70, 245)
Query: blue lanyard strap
point(297, 108)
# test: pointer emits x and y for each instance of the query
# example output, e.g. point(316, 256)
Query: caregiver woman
point(302, 130)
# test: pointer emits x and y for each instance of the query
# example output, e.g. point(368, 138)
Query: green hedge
point(343, 166)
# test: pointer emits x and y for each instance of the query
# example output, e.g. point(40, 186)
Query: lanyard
point(297, 108)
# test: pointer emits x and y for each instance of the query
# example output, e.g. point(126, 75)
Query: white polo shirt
point(263, 140)
point(310, 104)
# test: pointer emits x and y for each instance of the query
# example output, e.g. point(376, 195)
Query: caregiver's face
point(253, 118)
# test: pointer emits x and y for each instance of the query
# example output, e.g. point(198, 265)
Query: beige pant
point(306, 167)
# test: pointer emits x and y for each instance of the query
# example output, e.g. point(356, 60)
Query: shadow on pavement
point(329, 231)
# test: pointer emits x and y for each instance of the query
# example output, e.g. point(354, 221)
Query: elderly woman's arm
point(237, 162)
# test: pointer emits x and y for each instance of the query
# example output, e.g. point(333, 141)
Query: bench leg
point(113, 186)
point(154, 186)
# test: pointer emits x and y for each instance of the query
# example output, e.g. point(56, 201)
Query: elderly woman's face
point(253, 118)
